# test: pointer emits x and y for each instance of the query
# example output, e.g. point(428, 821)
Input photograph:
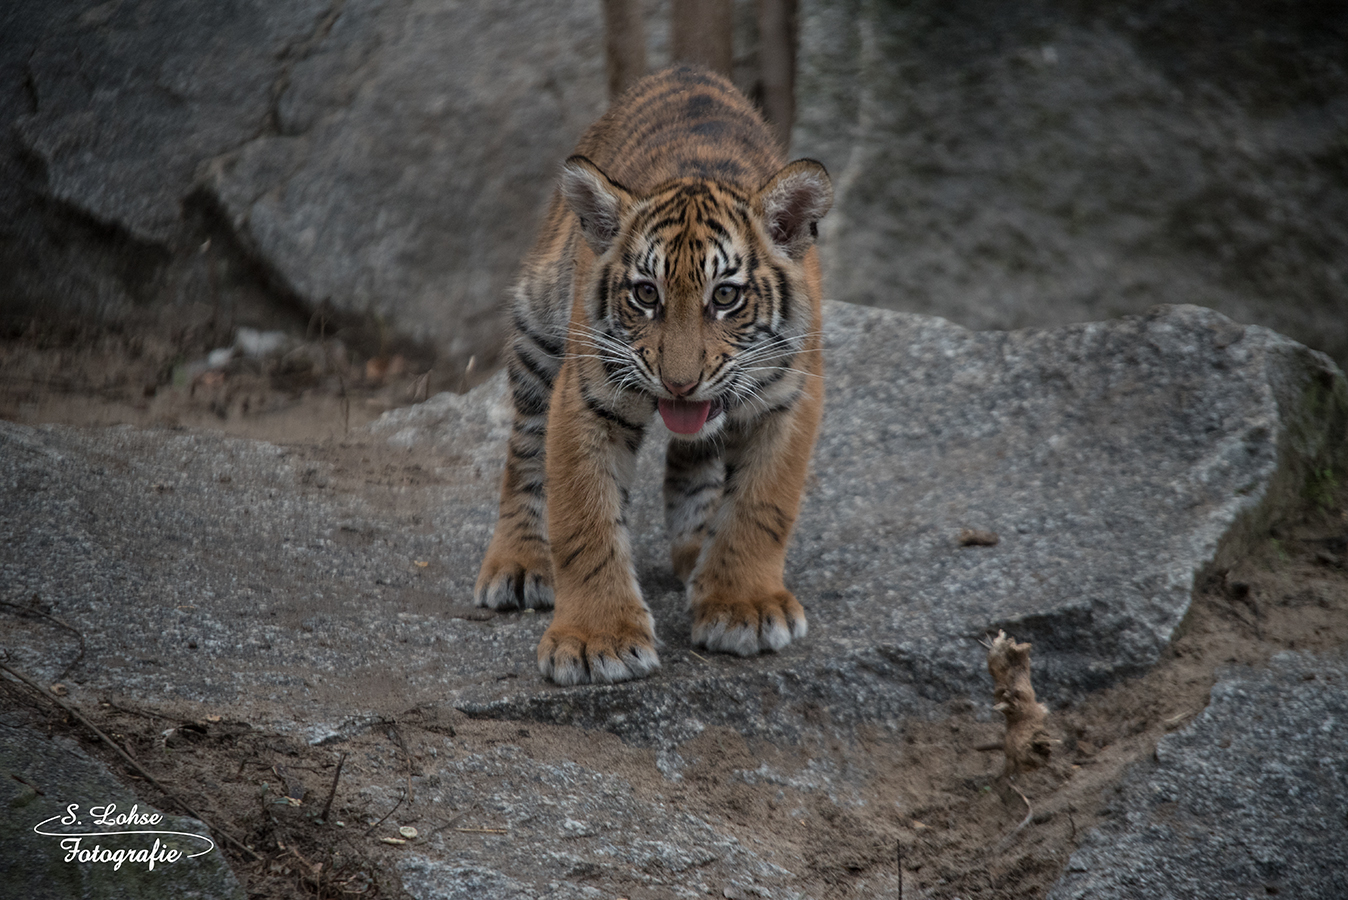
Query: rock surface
point(1115, 460)
point(570, 824)
point(1250, 799)
point(384, 159)
point(129, 99)
point(306, 591)
point(1008, 165)
point(40, 779)
point(416, 149)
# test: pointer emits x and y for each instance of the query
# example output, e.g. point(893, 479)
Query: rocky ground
point(768, 809)
point(249, 247)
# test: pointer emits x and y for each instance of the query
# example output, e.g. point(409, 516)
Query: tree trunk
point(777, 65)
point(701, 32)
point(624, 44)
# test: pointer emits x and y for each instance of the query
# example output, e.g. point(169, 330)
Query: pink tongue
point(684, 417)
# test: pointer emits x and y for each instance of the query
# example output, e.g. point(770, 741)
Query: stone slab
point(415, 150)
point(127, 100)
point(386, 159)
point(1248, 800)
point(1115, 460)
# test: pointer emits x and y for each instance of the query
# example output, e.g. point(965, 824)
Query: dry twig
point(332, 792)
point(371, 829)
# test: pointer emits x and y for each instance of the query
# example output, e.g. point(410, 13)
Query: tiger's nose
point(680, 390)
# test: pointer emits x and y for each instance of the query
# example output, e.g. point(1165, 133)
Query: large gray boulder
point(386, 160)
point(417, 146)
point(1249, 800)
point(127, 100)
point(1007, 165)
point(1117, 461)
point(313, 589)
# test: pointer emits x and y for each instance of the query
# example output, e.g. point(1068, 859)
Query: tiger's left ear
point(793, 201)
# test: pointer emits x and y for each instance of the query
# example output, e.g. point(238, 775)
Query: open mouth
point(688, 416)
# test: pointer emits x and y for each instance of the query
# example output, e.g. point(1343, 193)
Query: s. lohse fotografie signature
point(133, 821)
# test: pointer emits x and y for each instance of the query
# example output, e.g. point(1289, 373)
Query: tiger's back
point(675, 272)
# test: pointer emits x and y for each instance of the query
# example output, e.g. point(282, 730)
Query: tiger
point(675, 271)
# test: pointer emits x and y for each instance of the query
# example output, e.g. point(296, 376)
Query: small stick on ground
point(1029, 814)
point(1027, 745)
point(371, 829)
point(332, 792)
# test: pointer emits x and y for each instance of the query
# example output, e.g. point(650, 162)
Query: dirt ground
point(933, 802)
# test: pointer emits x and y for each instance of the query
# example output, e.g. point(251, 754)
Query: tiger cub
point(675, 271)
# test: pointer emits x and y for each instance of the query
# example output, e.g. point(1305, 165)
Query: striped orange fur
point(675, 272)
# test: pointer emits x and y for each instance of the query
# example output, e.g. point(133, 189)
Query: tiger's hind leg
point(694, 476)
point(517, 570)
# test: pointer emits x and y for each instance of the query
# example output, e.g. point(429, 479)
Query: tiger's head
point(698, 296)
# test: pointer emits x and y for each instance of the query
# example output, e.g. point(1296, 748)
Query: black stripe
point(657, 208)
point(534, 429)
point(530, 453)
point(548, 345)
point(772, 379)
point(599, 568)
point(713, 485)
point(645, 267)
point(716, 228)
point(781, 407)
point(785, 302)
point(542, 375)
point(663, 223)
point(607, 415)
point(601, 310)
point(777, 538)
point(720, 367)
point(527, 403)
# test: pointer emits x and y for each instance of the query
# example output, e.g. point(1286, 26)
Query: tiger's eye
point(725, 294)
point(646, 293)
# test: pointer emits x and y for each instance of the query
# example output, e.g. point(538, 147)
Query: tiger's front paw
point(748, 624)
point(514, 581)
point(568, 654)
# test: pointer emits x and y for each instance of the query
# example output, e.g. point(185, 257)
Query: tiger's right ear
point(597, 201)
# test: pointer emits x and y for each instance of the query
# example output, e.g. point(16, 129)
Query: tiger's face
point(697, 297)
